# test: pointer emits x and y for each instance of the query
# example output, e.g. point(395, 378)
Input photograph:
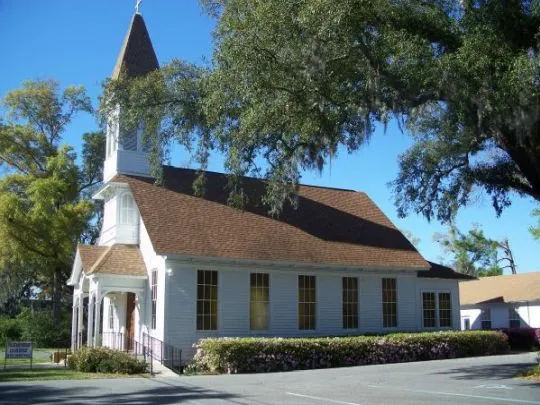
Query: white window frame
point(253, 301)
point(389, 327)
point(314, 303)
point(128, 215)
point(112, 318)
point(437, 309)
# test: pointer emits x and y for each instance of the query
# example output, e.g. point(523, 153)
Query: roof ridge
point(259, 179)
point(100, 260)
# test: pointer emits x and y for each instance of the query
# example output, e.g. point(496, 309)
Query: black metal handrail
point(122, 342)
point(167, 354)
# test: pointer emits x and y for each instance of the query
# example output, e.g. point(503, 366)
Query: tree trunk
point(57, 297)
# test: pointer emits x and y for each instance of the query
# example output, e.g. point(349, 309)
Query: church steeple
point(126, 153)
point(137, 56)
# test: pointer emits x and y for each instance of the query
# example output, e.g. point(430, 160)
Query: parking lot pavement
point(482, 380)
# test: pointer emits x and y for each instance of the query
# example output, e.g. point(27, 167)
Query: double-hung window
point(436, 309)
point(154, 297)
point(128, 211)
point(389, 302)
point(111, 315)
point(207, 299)
point(259, 301)
point(307, 303)
point(350, 302)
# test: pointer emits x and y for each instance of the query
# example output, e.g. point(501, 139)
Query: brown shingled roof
point(137, 56)
point(514, 288)
point(439, 271)
point(330, 226)
point(116, 259)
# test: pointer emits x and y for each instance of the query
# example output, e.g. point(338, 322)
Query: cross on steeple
point(137, 5)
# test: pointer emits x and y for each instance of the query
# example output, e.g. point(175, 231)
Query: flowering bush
point(245, 355)
point(522, 338)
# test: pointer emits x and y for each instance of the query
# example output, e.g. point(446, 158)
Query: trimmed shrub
point(522, 338)
point(245, 355)
point(104, 360)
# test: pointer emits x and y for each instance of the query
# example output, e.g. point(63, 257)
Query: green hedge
point(245, 355)
point(103, 360)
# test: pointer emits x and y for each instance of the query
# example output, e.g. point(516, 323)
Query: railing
point(125, 343)
point(168, 355)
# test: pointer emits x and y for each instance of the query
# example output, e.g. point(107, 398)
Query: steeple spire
point(137, 56)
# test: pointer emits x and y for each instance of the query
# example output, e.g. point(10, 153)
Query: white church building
point(173, 267)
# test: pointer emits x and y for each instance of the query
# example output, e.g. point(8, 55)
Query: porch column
point(80, 322)
point(90, 328)
point(97, 317)
point(74, 323)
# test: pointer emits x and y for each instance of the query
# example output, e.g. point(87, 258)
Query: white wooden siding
point(529, 313)
point(233, 302)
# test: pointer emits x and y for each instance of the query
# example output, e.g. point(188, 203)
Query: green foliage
point(44, 195)
point(292, 82)
point(103, 360)
point(475, 254)
point(240, 355)
point(10, 329)
point(40, 328)
point(535, 230)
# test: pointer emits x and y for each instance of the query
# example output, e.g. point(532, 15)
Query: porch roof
point(118, 259)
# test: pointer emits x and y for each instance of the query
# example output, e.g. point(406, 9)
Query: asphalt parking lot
point(482, 380)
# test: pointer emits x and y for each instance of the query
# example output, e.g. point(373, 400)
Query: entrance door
point(130, 321)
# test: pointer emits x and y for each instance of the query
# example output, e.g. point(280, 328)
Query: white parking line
point(321, 399)
point(454, 394)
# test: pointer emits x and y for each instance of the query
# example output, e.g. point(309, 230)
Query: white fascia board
point(75, 270)
point(282, 264)
point(109, 188)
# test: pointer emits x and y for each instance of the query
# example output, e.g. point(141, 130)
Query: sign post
point(18, 350)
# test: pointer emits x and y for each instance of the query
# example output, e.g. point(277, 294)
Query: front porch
point(104, 310)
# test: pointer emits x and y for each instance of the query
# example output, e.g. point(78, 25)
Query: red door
point(130, 321)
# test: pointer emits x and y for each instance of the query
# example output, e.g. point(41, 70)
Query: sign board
point(18, 350)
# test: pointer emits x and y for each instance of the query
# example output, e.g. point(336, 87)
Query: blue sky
point(77, 42)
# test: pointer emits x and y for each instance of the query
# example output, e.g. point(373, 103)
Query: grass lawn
point(55, 374)
point(532, 373)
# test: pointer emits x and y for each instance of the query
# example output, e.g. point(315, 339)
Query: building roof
point(118, 259)
point(513, 288)
point(330, 226)
point(439, 271)
point(137, 56)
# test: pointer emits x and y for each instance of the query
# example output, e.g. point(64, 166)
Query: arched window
point(128, 211)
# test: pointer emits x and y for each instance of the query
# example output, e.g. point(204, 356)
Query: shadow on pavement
point(11, 394)
point(488, 372)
